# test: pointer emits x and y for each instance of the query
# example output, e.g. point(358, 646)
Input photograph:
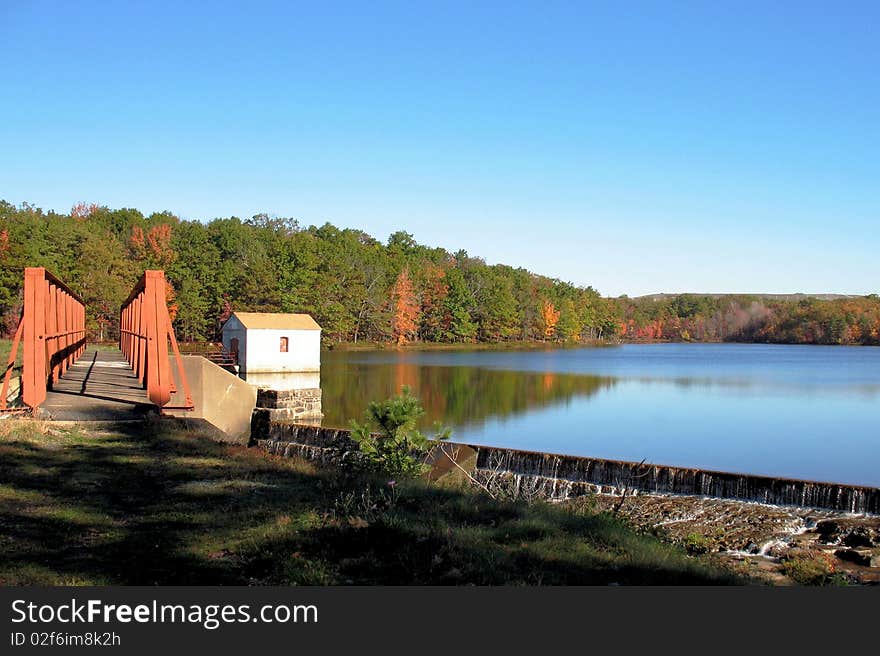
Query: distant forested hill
point(361, 289)
point(763, 297)
point(777, 318)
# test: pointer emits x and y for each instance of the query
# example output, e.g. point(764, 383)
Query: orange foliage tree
point(406, 308)
point(159, 241)
point(152, 248)
point(138, 242)
point(171, 301)
point(549, 317)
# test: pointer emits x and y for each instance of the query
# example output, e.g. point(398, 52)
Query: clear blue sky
point(638, 147)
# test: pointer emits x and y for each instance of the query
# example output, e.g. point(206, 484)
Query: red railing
point(52, 333)
point(144, 335)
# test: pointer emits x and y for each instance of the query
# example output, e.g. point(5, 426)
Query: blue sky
point(636, 147)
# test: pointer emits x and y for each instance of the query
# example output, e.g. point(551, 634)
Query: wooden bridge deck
point(99, 386)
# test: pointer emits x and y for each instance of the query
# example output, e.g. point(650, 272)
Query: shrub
point(809, 568)
point(696, 543)
point(390, 442)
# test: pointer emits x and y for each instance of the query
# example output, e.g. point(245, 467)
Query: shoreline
point(463, 346)
point(547, 346)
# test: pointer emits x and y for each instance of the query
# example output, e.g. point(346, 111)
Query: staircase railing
point(212, 351)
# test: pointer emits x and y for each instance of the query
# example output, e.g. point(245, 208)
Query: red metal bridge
point(64, 379)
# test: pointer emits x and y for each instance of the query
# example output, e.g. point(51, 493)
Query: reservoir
point(805, 412)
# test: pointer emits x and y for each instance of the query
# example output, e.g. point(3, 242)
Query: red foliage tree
point(82, 211)
point(152, 248)
point(159, 241)
point(138, 242)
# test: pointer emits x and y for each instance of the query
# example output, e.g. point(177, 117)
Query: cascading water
point(532, 475)
point(578, 473)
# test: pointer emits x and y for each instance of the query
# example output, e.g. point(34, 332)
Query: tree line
point(360, 289)
point(744, 318)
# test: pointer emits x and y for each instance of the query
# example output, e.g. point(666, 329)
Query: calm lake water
point(792, 411)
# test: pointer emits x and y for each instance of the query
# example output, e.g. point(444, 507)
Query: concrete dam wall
point(564, 476)
point(526, 473)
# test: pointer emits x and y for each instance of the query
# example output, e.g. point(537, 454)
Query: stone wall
point(299, 405)
point(323, 445)
point(291, 405)
point(547, 475)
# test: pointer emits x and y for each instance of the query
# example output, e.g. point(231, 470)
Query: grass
point(5, 347)
point(146, 504)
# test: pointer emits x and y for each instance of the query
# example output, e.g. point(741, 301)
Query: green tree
point(569, 326)
point(457, 306)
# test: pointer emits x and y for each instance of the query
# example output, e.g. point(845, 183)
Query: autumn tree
point(82, 211)
point(171, 300)
point(406, 308)
point(549, 318)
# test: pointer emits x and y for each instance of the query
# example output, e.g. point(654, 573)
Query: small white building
point(273, 342)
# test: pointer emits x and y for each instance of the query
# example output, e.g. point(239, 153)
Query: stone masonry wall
point(290, 405)
point(300, 405)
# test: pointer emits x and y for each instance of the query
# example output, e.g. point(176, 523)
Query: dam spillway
point(544, 475)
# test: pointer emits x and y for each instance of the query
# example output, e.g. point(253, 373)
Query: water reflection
point(799, 412)
point(455, 396)
point(284, 380)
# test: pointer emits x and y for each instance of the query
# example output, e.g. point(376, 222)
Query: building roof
point(276, 321)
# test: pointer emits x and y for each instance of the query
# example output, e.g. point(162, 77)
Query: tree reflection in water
point(456, 396)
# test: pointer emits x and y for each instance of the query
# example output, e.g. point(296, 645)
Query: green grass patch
point(148, 504)
point(5, 348)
